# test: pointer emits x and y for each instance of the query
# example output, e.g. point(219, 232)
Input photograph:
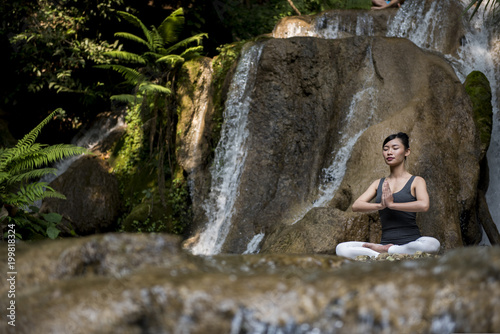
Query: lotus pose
point(397, 198)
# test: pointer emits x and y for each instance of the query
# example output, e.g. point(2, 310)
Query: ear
point(407, 153)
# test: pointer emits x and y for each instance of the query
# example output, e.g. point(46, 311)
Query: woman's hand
point(387, 198)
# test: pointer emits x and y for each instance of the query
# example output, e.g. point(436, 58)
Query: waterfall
point(475, 54)
point(230, 155)
point(89, 139)
point(354, 125)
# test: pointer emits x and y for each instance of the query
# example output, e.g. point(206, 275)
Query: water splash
point(253, 245)
point(230, 155)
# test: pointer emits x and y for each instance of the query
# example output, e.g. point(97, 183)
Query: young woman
point(397, 198)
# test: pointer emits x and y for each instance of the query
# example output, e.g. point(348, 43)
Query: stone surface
point(195, 127)
point(93, 200)
point(122, 283)
point(302, 115)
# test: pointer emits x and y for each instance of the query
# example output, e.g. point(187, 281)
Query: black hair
point(401, 136)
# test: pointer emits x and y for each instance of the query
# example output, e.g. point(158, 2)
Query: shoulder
point(376, 183)
point(419, 181)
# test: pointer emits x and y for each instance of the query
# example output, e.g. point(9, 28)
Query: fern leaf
point(171, 28)
point(130, 75)
point(138, 23)
point(27, 140)
point(150, 87)
point(126, 56)
point(171, 59)
point(31, 175)
point(127, 98)
point(192, 52)
point(132, 37)
point(186, 42)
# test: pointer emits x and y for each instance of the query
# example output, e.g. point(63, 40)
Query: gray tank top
point(398, 227)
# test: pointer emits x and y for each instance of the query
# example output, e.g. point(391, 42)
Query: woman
point(397, 198)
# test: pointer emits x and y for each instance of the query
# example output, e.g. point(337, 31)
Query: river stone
point(123, 283)
point(299, 118)
point(93, 200)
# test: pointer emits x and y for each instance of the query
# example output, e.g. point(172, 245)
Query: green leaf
point(52, 217)
point(52, 232)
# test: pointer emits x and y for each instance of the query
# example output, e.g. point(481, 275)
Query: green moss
point(478, 88)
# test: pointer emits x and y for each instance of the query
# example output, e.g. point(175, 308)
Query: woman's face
point(394, 152)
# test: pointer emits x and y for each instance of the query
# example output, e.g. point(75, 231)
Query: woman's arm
point(420, 205)
point(363, 203)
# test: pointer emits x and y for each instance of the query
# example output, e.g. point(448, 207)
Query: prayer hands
point(387, 198)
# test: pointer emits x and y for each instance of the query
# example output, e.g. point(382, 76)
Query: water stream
point(229, 156)
point(424, 27)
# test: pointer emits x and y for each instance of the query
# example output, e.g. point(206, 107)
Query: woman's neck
point(398, 172)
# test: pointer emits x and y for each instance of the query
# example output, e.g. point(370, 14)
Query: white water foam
point(253, 245)
point(230, 156)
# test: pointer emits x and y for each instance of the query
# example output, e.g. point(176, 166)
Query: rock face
point(321, 108)
point(93, 201)
point(194, 127)
point(120, 283)
point(445, 35)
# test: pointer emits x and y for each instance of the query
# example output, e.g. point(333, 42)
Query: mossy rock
point(147, 217)
point(478, 88)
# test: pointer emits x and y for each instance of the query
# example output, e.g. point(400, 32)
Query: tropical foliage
point(492, 6)
point(151, 76)
point(22, 167)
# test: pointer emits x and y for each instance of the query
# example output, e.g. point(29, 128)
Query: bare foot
point(378, 247)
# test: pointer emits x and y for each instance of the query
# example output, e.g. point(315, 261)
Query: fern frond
point(171, 28)
point(171, 59)
point(150, 87)
point(43, 156)
point(132, 37)
point(126, 56)
point(27, 140)
point(192, 52)
point(31, 175)
point(127, 98)
point(31, 193)
point(138, 23)
point(129, 74)
point(186, 42)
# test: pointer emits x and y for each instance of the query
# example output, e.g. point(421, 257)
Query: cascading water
point(229, 156)
point(354, 125)
point(89, 139)
point(475, 54)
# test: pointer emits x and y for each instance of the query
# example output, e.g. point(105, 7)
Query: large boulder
point(93, 200)
point(322, 106)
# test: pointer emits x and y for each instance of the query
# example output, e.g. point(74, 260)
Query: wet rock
point(146, 284)
point(320, 231)
point(93, 201)
point(300, 124)
point(478, 88)
point(195, 128)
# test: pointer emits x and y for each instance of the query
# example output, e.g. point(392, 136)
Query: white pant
point(352, 249)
